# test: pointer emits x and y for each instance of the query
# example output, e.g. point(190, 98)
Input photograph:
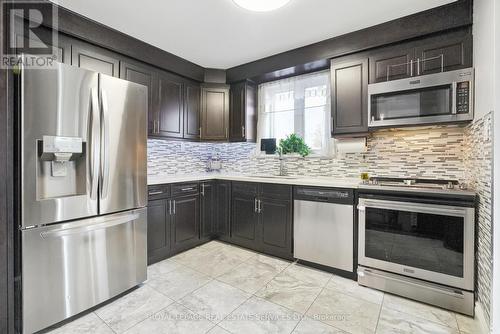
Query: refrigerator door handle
point(94, 143)
point(104, 145)
point(83, 229)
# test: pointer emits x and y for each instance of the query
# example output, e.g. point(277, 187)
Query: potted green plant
point(293, 144)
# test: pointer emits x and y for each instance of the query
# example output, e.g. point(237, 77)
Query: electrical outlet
point(487, 130)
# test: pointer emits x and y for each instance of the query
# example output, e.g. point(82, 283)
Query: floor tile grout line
point(319, 294)
point(104, 322)
point(442, 324)
point(379, 313)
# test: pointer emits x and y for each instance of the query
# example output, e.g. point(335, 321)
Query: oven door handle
point(415, 207)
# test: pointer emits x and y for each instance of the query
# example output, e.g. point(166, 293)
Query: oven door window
point(420, 240)
point(434, 101)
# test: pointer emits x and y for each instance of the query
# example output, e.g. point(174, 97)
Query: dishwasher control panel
point(334, 195)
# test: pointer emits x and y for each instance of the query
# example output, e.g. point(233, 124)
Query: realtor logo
point(31, 30)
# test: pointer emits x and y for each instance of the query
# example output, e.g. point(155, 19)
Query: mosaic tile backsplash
point(429, 152)
point(455, 152)
point(478, 160)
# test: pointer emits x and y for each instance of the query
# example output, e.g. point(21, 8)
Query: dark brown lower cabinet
point(208, 210)
point(262, 218)
point(158, 230)
point(222, 211)
point(185, 222)
point(244, 221)
point(276, 221)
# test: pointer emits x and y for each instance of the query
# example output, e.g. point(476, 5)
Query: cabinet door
point(237, 112)
point(276, 225)
point(170, 106)
point(192, 94)
point(444, 53)
point(208, 207)
point(158, 231)
point(185, 222)
point(95, 59)
point(349, 96)
point(215, 113)
point(146, 76)
point(251, 112)
point(244, 221)
point(223, 209)
point(391, 64)
point(243, 112)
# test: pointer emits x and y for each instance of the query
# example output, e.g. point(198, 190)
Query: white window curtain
point(298, 105)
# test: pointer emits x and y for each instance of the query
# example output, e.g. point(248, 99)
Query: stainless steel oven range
point(418, 241)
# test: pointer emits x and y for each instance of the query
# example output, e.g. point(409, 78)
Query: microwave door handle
point(454, 86)
point(94, 143)
point(104, 145)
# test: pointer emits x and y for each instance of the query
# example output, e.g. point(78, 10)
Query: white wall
point(484, 56)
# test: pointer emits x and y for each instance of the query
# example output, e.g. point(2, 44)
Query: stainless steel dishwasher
point(324, 226)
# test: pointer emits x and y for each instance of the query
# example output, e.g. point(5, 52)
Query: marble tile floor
point(219, 288)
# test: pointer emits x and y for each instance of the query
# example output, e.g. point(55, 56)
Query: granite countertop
point(292, 180)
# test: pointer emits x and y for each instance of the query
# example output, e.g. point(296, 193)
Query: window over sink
point(298, 105)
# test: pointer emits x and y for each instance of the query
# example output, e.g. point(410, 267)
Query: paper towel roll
point(350, 145)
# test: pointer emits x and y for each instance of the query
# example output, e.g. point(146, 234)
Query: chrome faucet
point(282, 163)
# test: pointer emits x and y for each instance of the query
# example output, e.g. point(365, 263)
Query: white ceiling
point(219, 34)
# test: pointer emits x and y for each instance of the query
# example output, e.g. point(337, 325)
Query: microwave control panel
point(463, 97)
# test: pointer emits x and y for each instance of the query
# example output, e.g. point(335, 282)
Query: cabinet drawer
point(245, 188)
point(181, 189)
point(277, 191)
point(158, 191)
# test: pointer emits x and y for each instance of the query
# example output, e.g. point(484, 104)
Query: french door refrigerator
point(83, 191)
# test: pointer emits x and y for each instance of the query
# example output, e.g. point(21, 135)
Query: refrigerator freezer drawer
point(69, 268)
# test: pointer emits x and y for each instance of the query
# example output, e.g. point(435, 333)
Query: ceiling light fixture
point(261, 5)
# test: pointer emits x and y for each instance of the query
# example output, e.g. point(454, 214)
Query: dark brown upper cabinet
point(192, 95)
point(243, 112)
point(391, 64)
point(445, 52)
point(349, 96)
point(170, 115)
point(95, 59)
point(215, 112)
point(22, 43)
point(176, 113)
point(449, 52)
point(147, 76)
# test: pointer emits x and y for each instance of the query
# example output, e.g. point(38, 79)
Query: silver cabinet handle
point(95, 148)
point(104, 145)
point(411, 68)
point(256, 205)
point(242, 131)
point(187, 189)
point(174, 206)
point(418, 66)
point(155, 193)
point(260, 206)
point(169, 207)
point(95, 227)
point(203, 189)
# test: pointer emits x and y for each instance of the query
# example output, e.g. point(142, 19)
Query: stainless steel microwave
point(433, 98)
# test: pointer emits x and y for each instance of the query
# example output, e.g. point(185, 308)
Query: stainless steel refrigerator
point(83, 193)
